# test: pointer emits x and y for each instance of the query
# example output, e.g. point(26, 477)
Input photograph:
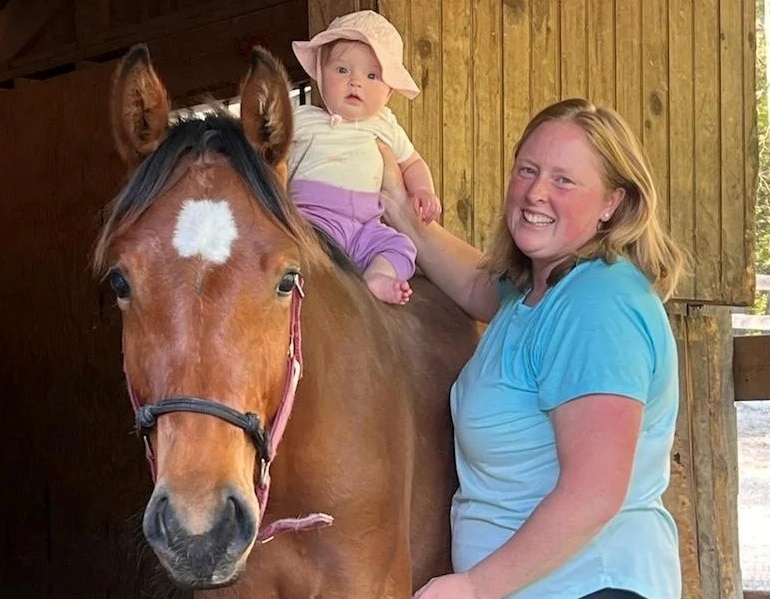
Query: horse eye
point(287, 283)
point(119, 284)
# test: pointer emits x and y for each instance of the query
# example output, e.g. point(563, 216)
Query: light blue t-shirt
point(601, 329)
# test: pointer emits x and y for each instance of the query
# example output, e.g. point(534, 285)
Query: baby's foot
point(389, 289)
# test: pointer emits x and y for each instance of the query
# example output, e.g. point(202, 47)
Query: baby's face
point(351, 83)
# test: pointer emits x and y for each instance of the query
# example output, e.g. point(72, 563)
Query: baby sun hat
point(373, 29)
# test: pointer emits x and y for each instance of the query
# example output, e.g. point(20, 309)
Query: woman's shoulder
point(620, 274)
point(596, 283)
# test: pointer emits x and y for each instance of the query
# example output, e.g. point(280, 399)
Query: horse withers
point(335, 484)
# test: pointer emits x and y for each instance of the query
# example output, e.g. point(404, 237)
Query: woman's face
point(556, 196)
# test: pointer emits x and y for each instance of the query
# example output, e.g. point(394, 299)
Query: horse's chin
point(197, 577)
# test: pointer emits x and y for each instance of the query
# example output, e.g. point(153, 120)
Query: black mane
point(193, 137)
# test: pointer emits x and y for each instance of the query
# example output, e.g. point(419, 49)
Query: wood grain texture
point(751, 367)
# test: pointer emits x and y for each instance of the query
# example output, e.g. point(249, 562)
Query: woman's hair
point(634, 231)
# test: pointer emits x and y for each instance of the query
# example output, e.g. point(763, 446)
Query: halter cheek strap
point(265, 440)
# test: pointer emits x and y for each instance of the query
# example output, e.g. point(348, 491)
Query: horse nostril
point(157, 520)
point(240, 515)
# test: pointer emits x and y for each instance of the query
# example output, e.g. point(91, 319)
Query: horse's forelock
point(188, 139)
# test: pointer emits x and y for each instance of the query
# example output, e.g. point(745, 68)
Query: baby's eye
point(373, 76)
point(342, 70)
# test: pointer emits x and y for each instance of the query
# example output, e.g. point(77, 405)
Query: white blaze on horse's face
point(206, 228)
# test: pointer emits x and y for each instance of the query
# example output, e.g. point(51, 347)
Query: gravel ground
point(754, 493)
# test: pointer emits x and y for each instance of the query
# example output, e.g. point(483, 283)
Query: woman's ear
point(616, 197)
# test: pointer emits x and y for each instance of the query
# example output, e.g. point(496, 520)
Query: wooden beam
point(756, 594)
point(106, 41)
point(20, 21)
point(751, 367)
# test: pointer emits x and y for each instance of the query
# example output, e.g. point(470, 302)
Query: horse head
point(203, 252)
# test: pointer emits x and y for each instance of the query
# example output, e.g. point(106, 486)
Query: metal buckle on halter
point(264, 471)
point(298, 281)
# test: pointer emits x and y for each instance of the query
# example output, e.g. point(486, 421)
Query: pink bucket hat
point(371, 28)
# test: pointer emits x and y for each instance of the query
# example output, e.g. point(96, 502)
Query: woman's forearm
point(558, 529)
point(452, 264)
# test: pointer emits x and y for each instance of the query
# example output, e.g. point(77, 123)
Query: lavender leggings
point(352, 218)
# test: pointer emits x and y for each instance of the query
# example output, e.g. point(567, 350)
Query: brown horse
point(210, 263)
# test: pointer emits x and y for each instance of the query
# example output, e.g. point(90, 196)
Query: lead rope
point(294, 366)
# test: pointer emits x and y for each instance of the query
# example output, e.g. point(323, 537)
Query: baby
point(335, 160)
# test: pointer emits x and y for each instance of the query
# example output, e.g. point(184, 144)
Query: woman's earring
point(606, 216)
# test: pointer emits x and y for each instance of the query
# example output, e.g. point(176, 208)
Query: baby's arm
point(419, 184)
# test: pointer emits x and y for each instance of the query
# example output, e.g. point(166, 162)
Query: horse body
point(204, 252)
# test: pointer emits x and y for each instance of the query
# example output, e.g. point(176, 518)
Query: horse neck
point(341, 314)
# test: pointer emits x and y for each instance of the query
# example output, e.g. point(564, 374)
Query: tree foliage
point(763, 179)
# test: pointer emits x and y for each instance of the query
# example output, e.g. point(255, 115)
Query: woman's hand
point(451, 586)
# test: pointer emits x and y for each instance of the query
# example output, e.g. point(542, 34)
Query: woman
point(564, 417)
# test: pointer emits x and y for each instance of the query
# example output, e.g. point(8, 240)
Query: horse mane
point(188, 139)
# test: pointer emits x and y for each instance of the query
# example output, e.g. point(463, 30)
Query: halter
point(265, 440)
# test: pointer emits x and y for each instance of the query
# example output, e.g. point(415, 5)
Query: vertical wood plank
point(701, 373)
point(706, 246)
point(628, 63)
point(322, 12)
point(488, 170)
point(655, 132)
point(457, 126)
point(745, 281)
point(733, 145)
point(716, 455)
point(517, 83)
point(574, 49)
point(601, 52)
point(681, 131)
point(724, 442)
point(545, 72)
point(398, 12)
point(427, 114)
point(680, 496)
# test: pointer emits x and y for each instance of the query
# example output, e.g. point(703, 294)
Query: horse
point(296, 427)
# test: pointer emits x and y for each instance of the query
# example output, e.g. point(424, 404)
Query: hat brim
point(394, 74)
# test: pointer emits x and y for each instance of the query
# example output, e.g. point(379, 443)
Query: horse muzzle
point(214, 553)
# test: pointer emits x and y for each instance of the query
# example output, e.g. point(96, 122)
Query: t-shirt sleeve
point(394, 135)
point(596, 343)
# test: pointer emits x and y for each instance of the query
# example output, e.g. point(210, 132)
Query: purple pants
point(352, 218)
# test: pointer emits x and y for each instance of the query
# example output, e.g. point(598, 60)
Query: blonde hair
point(634, 231)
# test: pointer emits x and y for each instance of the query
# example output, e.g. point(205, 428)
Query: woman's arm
point(596, 439)
point(446, 260)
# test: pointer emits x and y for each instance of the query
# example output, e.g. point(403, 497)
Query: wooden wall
point(207, 42)
point(704, 474)
point(680, 71)
point(75, 479)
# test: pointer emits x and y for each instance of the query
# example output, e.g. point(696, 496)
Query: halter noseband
point(266, 441)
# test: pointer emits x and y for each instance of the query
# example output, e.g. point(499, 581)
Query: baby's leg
point(381, 278)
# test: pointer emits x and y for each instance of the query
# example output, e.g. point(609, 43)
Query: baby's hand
point(426, 205)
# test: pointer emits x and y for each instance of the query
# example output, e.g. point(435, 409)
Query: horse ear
point(266, 111)
point(139, 107)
